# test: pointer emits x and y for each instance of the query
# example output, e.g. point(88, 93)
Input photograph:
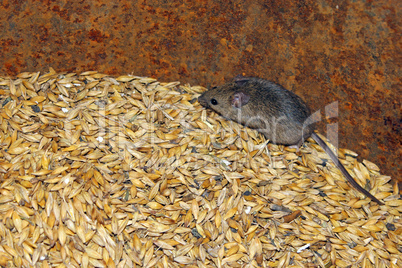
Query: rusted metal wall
point(326, 51)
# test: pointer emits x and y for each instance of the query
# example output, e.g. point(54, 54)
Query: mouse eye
point(214, 102)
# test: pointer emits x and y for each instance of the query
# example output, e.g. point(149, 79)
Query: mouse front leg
point(296, 146)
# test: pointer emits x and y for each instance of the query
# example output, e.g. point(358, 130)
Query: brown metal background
point(326, 51)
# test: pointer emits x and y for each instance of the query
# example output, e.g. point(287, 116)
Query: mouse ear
point(240, 80)
point(240, 99)
point(239, 77)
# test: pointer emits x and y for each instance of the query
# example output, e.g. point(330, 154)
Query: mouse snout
point(202, 100)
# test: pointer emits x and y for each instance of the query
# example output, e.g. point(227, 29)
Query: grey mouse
point(279, 114)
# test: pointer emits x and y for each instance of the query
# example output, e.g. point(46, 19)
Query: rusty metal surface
point(326, 51)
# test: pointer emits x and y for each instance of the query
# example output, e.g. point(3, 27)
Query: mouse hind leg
point(297, 145)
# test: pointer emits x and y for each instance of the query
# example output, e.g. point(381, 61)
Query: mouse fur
point(276, 112)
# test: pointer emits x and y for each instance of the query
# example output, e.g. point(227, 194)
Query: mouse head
point(228, 99)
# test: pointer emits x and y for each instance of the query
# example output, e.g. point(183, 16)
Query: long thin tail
point(339, 165)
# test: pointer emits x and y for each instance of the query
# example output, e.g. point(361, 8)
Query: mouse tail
point(339, 165)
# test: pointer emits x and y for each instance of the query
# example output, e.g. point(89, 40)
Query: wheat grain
point(102, 171)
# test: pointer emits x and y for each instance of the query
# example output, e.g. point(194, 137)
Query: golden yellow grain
point(102, 171)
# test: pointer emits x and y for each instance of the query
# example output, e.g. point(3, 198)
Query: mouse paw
point(296, 146)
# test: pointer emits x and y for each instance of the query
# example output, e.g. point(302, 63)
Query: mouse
point(279, 114)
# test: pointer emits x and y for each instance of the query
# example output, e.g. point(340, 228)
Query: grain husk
point(127, 171)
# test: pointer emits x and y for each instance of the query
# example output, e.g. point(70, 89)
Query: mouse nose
point(203, 101)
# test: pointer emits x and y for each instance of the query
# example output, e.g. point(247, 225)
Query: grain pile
point(102, 171)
